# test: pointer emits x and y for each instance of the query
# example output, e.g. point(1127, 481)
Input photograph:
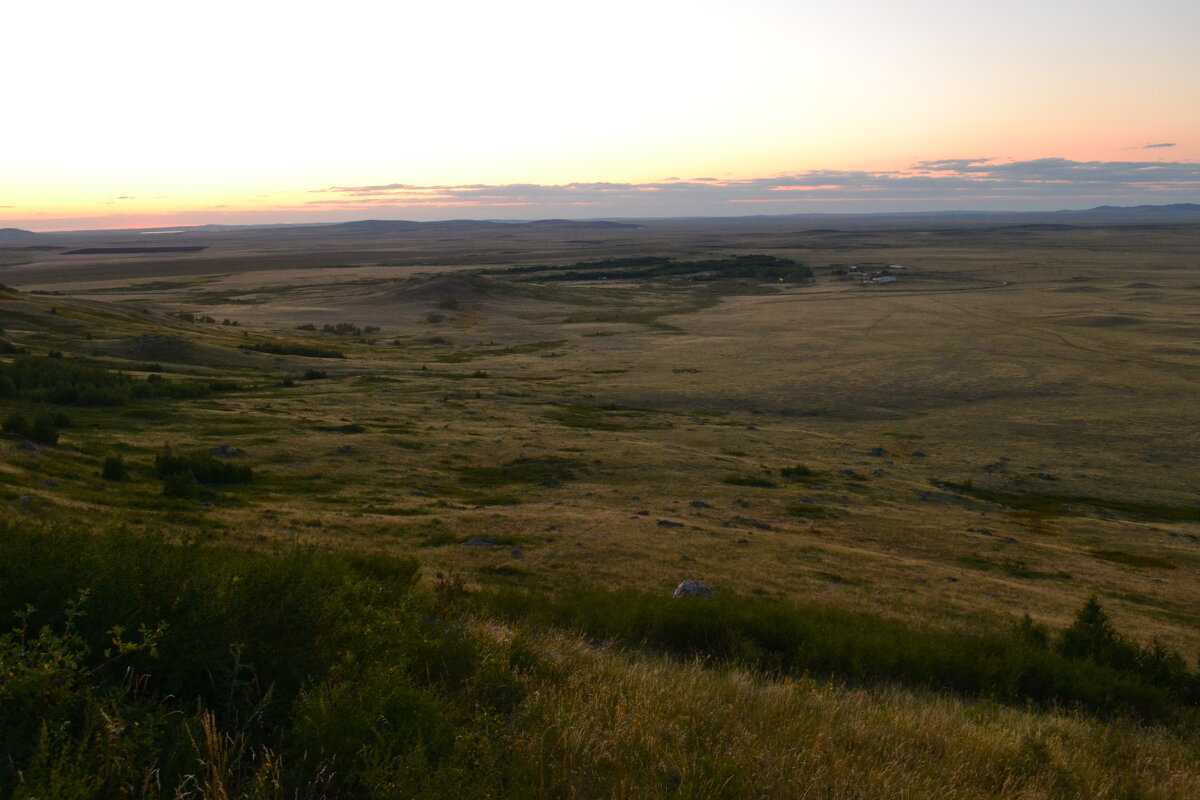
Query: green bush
point(113, 469)
point(43, 428)
point(756, 481)
point(203, 467)
point(63, 381)
point(138, 663)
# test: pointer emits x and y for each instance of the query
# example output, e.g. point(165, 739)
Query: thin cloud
point(952, 181)
point(1156, 146)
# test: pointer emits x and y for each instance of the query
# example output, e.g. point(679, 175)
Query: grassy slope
point(549, 419)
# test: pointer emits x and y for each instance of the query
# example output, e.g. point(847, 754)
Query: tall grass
point(1093, 668)
point(136, 667)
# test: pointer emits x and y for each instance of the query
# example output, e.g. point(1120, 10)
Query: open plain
point(1008, 428)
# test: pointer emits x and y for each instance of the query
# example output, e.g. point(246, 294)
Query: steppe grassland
point(1055, 362)
point(549, 416)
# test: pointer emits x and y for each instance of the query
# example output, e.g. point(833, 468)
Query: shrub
point(43, 429)
point(749, 480)
point(202, 467)
point(113, 469)
point(797, 472)
point(74, 382)
point(17, 424)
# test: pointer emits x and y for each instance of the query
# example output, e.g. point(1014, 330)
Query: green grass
point(1091, 667)
point(755, 481)
point(1054, 504)
point(1132, 559)
point(520, 471)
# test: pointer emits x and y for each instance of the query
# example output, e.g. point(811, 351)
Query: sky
point(134, 114)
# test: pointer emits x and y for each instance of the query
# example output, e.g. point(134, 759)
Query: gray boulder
point(691, 588)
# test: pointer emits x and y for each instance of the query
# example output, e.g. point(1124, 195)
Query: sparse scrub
point(292, 349)
point(755, 481)
point(202, 467)
point(72, 382)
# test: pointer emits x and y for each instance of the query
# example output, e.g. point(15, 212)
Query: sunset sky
point(126, 114)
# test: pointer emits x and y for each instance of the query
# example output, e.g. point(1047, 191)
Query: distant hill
point(16, 235)
point(383, 226)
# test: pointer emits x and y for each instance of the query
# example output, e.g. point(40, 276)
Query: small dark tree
point(17, 424)
point(113, 469)
point(1092, 637)
point(181, 485)
point(43, 429)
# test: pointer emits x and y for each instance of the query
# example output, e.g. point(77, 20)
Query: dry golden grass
point(627, 726)
point(1061, 362)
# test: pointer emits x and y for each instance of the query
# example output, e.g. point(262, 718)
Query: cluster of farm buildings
point(875, 276)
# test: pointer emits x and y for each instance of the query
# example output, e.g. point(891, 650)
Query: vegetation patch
point(756, 481)
point(1088, 665)
point(64, 381)
point(609, 417)
point(810, 511)
point(292, 349)
point(1053, 504)
point(1132, 559)
point(546, 469)
point(1014, 568)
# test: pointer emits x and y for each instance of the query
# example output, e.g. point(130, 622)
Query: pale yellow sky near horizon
point(128, 112)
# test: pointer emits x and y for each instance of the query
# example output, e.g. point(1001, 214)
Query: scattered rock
point(918, 454)
point(743, 542)
point(642, 513)
point(24, 498)
point(207, 503)
point(700, 504)
point(667, 523)
point(752, 521)
point(1157, 580)
point(485, 541)
point(949, 579)
point(49, 483)
point(551, 484)
point(225, 450)
point(751, 428)
point(691, 588)
point(27, 445)
point(517, 552)
point(878, 473)
point(346, 448)
point(877, 451)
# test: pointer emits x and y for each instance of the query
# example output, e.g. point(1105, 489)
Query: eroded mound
point(173, 350)
point(1104, 321)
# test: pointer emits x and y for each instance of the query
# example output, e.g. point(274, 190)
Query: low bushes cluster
point(1088, 666)
point(341, 328)
point(139, 668)
point(42, 427)
point(65, 381)
point(182, 475)
point(292, 349)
